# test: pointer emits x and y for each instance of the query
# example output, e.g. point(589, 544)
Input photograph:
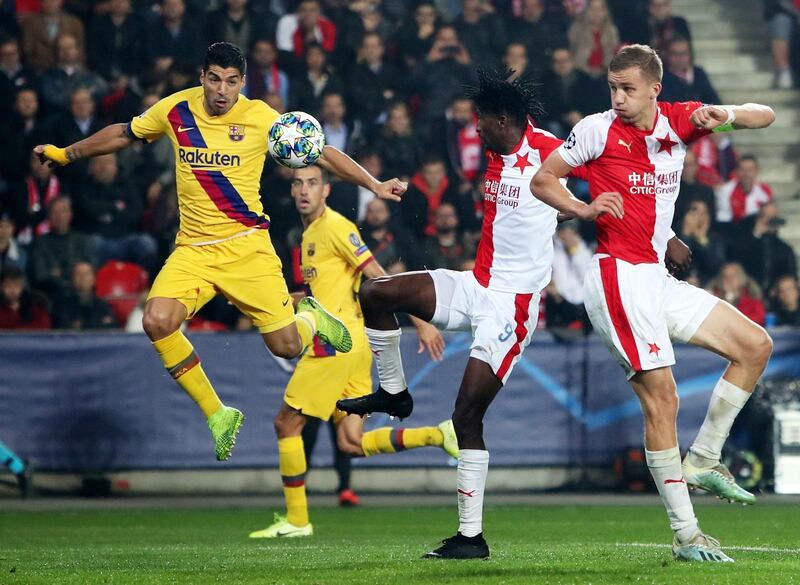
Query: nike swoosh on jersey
point(185, 129)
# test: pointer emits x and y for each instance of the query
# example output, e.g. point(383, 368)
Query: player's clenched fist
point(391, 189)
point(610, 203)
point(52, 155)
point(709, 117)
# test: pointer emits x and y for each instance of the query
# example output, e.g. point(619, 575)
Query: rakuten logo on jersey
point(654, 184)
point(200, 157)
point(501, 193)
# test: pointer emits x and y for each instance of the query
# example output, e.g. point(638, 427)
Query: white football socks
point(385, 346)
point(665, 466)
point(473, 466)
point(726, 403)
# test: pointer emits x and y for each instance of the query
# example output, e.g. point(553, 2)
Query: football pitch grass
point(585, 543)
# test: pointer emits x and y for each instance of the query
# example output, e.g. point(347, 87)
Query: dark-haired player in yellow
point(220, 141)
point(334, 258)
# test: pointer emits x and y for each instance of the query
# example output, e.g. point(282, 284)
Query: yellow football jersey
point(218, 162)
point(333, 255)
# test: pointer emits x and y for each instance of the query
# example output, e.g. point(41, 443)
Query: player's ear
point(326, 190)
point(656, 89)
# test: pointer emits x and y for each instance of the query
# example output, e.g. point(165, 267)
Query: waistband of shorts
point(233, 237)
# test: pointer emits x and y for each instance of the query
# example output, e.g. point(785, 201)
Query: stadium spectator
point(482, 31)
point(427, 190)
point(53, 254)
point(338, 132)
point(115, 42)
point(390, 244)
point(538, 32)
point(316, 80)
point(441, 76)
point(25, 130)
point(296, 31)
point(632, 20)
point(564, 297)
point(20, 308)
point(41, 31)
point(78, 307)
point(461, 145)
point(684, 81)
point(516, 59)
point(594, 39)
point(372, 83)
point(786, 303)
point(13, 75)
point(664, 26)
point(69, 75)
point(782, 16)
point(569, 94)
point(744, 195)
point(29, 200)
point(81, 121)
point(708, 247)
point(761, 252)
point(358, 19)
point(415, 37)
point(691, 190)
point(716, 159)
point(173, 36)
point(398, 143)
point(236, 22)
point(110, 210)
point(733, 285)
point(264, 75)
point(447, 248)
point(11, 253)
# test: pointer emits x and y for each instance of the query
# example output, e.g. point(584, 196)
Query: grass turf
point(529, 544)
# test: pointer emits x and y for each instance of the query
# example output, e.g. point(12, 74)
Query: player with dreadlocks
point(498, 300)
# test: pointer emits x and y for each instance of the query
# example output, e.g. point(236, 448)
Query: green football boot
point(329, 328)
point(450, 444)
point(224, 425)
point(700, 548)
point(716, 480)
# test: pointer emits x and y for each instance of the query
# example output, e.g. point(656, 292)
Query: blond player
point(220, 142)
point(334, 258)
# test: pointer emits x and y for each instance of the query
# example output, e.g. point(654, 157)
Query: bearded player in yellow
point(220, 141)
point(334, 258)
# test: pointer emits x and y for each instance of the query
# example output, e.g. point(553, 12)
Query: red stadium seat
point(121, 284)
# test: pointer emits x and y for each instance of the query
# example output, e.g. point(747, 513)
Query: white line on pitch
point(767, 549)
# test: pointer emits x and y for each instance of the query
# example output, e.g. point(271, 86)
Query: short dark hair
point(497, 94)
point(750, 157)
point(12, 273)
point(323, 173)
point(642, 56)
point(225, 55)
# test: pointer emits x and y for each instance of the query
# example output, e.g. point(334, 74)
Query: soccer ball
point(296, 140)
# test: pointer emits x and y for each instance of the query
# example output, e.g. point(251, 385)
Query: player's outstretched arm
point(727, 118)
point(546, 186)
point(110, 139)
point(335, 161)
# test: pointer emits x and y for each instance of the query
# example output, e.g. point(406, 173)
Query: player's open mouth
point(221, 103)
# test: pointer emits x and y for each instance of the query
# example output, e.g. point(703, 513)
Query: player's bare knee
point(377, 292)
point(349, 445)
point(158, 323)
point(760, 348)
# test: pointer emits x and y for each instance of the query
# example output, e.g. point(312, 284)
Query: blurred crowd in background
point(80, 244)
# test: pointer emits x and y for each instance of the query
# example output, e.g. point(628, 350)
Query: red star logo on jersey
point(522, 163)
point(654, 348)
point(666, 143)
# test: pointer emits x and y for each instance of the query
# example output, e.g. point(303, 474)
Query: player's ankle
point(701, 461)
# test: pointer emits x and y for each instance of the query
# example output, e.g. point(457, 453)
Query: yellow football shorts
point(318, 382)
point(245, 269)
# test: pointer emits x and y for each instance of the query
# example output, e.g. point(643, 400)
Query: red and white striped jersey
point(644, 167)
point(734, 204)
point(515, 252)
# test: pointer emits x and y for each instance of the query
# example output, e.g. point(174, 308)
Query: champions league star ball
point(296, 140)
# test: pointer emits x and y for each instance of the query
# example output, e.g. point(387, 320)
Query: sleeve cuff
point(364, 263)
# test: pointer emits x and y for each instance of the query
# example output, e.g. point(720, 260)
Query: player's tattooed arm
point(110, 139)
point(546, 186)
point(335, 161)
point(727, 118)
